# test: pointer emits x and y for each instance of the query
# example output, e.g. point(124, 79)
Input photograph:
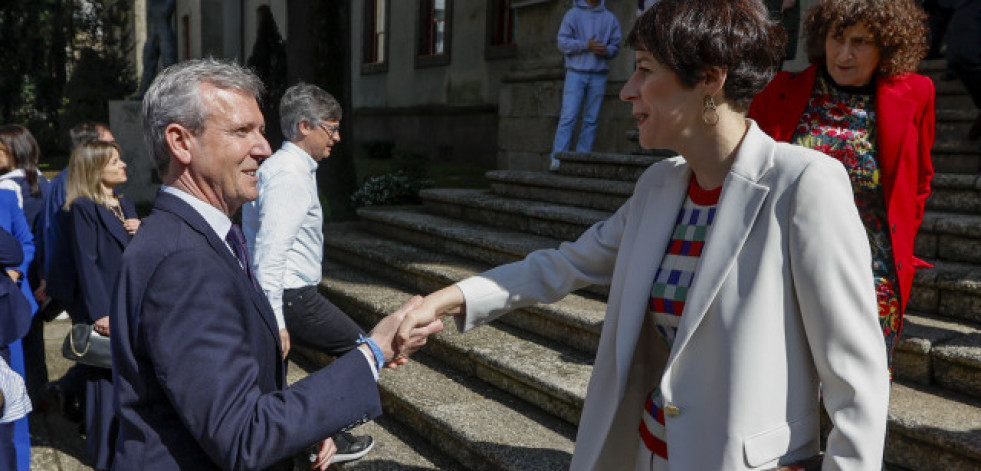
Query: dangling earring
point(709, 115)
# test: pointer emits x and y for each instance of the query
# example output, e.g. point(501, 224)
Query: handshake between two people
point(405, 331)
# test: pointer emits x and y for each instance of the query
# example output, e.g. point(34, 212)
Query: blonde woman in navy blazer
point(781, 300)
point(101, 225)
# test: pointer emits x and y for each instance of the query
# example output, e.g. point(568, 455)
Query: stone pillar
point(139, 37)
point(127, 127)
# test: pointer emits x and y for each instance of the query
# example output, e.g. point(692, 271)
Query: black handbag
point(87, 347)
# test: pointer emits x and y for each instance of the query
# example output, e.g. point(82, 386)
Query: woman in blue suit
point(12, 220)
point(101, 225)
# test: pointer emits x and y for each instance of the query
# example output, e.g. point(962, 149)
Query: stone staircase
point(508, 396)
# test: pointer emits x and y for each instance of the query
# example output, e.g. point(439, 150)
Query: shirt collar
point(299, 152)
point(215, 218)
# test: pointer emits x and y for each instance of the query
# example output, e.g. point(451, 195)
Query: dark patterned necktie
point(236, 239)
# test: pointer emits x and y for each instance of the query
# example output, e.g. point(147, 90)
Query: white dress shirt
point(284, 226)
point(217, 220)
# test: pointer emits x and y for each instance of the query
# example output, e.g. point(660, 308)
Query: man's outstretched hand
point(384, 334)
point(424, 316)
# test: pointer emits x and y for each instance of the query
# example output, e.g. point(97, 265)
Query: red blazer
point(904, 129)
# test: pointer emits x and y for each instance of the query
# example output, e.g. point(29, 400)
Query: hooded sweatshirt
point(582, 22)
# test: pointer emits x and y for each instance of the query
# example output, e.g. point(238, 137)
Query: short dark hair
point(898, 26)
point(85, 131)
point(691, 36)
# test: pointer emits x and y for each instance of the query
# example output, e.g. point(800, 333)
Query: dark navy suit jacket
point(98, 240)
point(12, 220)
point(15, 312)
point(53, 229)
point(197, 365)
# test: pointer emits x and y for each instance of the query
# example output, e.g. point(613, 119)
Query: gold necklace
point(118, 211)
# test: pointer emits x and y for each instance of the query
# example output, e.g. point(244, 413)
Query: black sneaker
point(350, 448)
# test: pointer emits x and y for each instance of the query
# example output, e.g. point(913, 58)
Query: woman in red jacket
point(861, 103)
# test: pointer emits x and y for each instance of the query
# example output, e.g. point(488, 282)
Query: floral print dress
point(840, 121)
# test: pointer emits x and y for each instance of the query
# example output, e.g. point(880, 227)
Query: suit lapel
point(739, 204)
point(115, 226)
point(651, 235)
point(174, 205)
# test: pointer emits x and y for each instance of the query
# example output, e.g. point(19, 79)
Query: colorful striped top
point(670, 291)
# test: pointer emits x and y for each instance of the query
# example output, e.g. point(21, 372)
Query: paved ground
point(57, 445)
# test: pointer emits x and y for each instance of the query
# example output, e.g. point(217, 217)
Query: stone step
point(936, 351)
point(956, 162)
point(541, 218)
point(955, 122)
point(950, 87)
point(931, 66)
point(955, 193)
point(485, 244)
point(951, 228)
point(931, 429)
point(594, 193)
point(625, 167)
point(574, 321)
point(949, 290)
point(491, 245)
point(548, 375)
point(397, 447)
point(920, 333)
point(950, 236)
point(479, 426)
point(956, 145)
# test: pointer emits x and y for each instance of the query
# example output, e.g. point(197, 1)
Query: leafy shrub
point(392, 188)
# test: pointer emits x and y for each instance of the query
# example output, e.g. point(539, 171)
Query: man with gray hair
point(200, 381)
point(284, 231)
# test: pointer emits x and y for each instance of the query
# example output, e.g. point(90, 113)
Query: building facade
point(469, 81)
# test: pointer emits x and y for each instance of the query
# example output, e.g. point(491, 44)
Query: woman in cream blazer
point(781, 307)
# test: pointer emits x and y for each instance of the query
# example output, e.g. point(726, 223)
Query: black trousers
point(315, 322)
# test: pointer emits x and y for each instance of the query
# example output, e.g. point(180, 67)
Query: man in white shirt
point(284, 231)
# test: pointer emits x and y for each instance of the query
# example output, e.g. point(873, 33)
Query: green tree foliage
point(62, 60)
point(96, 79)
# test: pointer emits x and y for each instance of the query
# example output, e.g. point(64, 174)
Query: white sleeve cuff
point(370, 358)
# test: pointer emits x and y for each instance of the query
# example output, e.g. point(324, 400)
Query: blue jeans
point(578, 85)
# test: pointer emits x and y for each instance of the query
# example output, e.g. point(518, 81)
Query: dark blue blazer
point(58, 263)
point(197, 366)
point(15, 312)
point(98, 240)
point(11, 253)
point(13, 221)
point(33, 208)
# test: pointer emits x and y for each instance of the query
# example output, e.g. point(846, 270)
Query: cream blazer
point(782, 306)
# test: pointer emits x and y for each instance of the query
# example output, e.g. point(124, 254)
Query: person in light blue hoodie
point(589, 37)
